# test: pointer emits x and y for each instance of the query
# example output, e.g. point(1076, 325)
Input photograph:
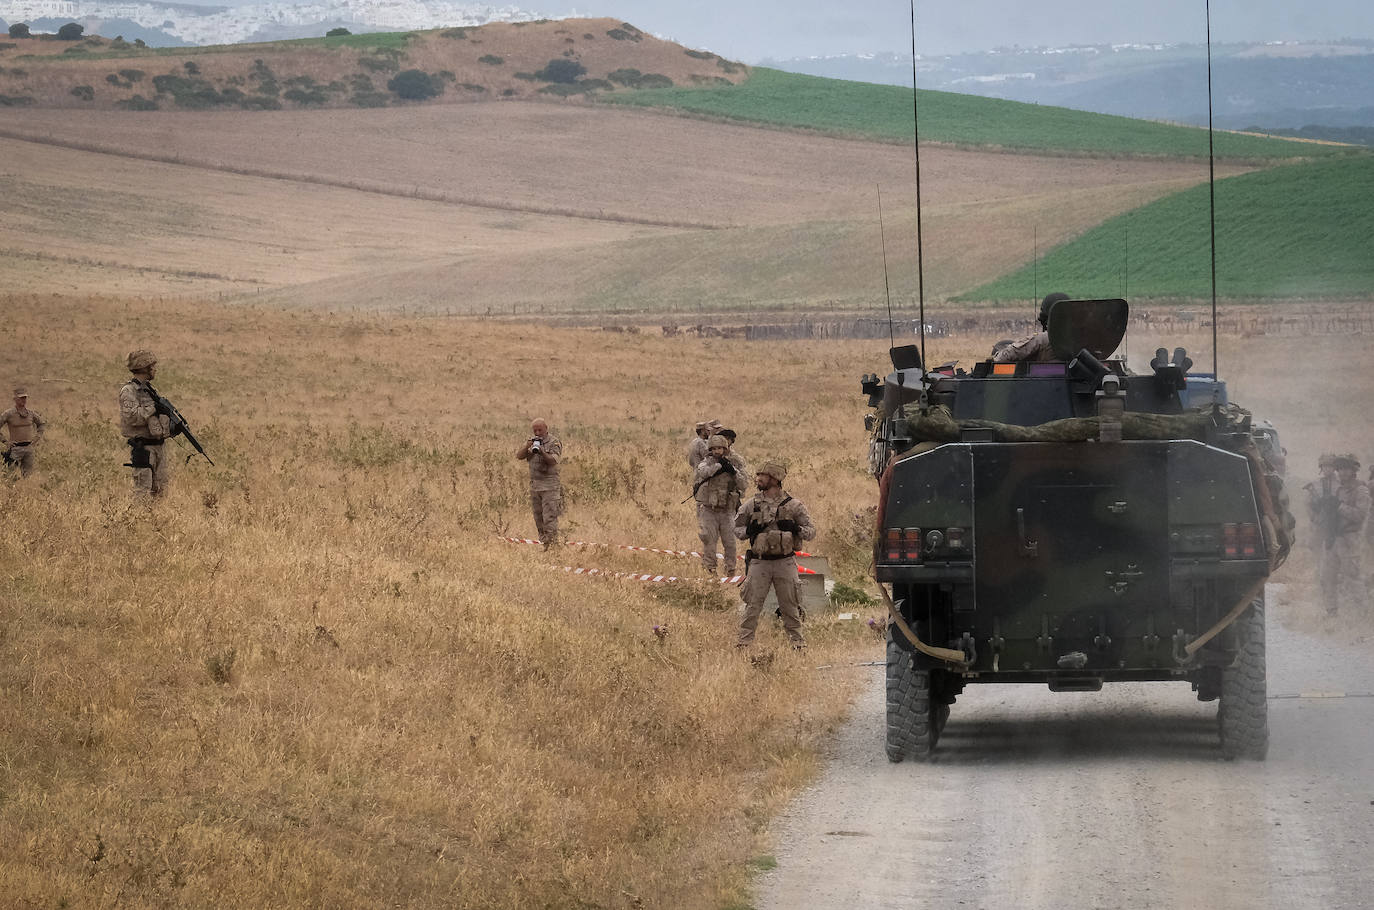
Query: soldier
point(774, 524)
point(719, 478)
point(25, 430)
point(1342, 509)
point(696, 449)
point(143, 427)
point(1322, 486)
point(543, 451)
point(1036, 347)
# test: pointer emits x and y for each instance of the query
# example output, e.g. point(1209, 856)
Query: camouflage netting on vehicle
point(936, 424)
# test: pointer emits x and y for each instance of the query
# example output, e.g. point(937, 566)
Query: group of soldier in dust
point(773, 522)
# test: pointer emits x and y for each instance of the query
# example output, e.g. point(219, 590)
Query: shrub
point(119, 44)
point(7, 45)
point(655, 80)
point(474, 87)
point(15, 100)
point(138, 103)
point(491, 60)
point(369, 99)
point(565, 72)
point(78, 49)
point(528, 77)
point(380, 64)
point(132, 76)
point(361, 82)
point(19, 30)
point(306, 96)
point(629, 76)
point(729, 66)
point(191, 68)
point(114, 80)
point(337, 33)
point(447, 75)
point(508, 92)
point(259, 103)
point(699, 55)
point(139, 42)
point(456, 33)
point(626, 32)
point(415, 85)
point(83, 92)
point(70, 32)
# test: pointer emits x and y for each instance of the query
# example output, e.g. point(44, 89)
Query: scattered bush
point(589, 36)
point(655, 80)
point(508, 92)
point(381, 63)
point(131, 76)
point(138, 103)
point(7, 45)
point(843, 595)
point(491, 60)
point(78, 49)
point(699, 55)
point(19, 30)
point(191, 68)
point(361, 82)
point(528, 77)
point(15, 100)
point(259, 103)
point(369, 99)
point(83, 92)
point(474, 87)
point(220, 666)
point(415, 85)
point(194, 94)
point(139, 42)
point(119, 44)
point(70, 32)
point(564, 72)
point(305, 96)
point(456, 33)
point(633, 78)
point(626, 32)
point(447, 75)
point(729, 65)
point(337, 33)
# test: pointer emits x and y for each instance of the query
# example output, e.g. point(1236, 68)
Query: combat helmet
point(140, 360)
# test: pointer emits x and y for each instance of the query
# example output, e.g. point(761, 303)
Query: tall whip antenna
point(1035, 269)
point(1211, 191)
point(887, 288)
point(916, 144)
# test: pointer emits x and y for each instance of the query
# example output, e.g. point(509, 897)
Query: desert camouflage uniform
point(718, 497)
point(145, 430)
point(773, 564)
point(546, 490)
point(25, 430)
point(1342, 583)
point(1036, 347)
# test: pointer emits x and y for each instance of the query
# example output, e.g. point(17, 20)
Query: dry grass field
point(313, 677)
point(523, 207)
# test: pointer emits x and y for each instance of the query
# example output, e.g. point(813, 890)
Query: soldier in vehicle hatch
point(774, 523)
point(1342, 512)
point(1036, 347)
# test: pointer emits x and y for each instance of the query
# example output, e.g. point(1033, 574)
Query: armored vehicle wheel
point(914, 718)
point(1243, 711)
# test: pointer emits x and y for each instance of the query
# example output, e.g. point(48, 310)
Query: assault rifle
point(179, 427)
point(1328, 513)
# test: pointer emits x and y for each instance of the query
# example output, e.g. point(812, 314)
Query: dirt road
point(1118, 799)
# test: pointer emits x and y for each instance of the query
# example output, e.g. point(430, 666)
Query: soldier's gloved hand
point(753, 529)
point(787, 524)
point(726, 466)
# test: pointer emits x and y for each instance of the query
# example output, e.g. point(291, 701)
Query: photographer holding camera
point(543, 451)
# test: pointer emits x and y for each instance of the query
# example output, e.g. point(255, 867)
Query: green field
point(884, 112)
point(1299, 230)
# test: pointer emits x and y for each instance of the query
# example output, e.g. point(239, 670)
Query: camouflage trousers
point(781, 576)
point(1342, 583)
point(153, 480)
point(716, 527)
point(547, 505)
point(21, 457)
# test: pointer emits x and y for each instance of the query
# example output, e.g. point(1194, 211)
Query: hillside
point(1300, 231)
point(501, 60)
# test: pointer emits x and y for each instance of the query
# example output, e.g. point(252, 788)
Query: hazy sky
point(752, 29)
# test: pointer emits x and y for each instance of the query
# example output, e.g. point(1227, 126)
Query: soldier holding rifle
point(1341, 506)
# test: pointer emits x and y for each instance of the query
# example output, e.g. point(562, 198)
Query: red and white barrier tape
point(576, 570)
point(693, 554)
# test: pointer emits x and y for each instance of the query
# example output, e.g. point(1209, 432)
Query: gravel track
point(1117, 799)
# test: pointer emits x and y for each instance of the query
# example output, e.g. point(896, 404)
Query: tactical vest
point(771, 542)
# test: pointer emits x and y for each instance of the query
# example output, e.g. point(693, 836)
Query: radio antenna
point(916, 145)
point(1126, 288)
point(1035, 269)
point(1212, 199)
point(887, 288)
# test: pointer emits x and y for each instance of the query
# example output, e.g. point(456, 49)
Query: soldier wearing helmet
point(1317, 491)
point(774, 523)
point(143, 427)
point(1342, 511)
point(1036, 347)
point(719, 478)
point(25, 429)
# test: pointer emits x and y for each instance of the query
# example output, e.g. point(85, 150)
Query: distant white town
point(230, 25)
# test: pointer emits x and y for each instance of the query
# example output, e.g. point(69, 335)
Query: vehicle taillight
point(911, 544)
point(1248, 537)
point(954, 538)
point(894, 545)
point(1230, 540)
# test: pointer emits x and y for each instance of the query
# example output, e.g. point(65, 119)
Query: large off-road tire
point(1243, 709)
point(914, 718)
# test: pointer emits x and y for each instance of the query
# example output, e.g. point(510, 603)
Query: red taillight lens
point(911, 543)
point(893, 549)
point(1230, 540)
point(1248, 537)
point(954, 538)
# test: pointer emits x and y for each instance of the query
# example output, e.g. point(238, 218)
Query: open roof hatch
point(1098, 325)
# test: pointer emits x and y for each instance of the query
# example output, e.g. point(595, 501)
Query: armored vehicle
point(1071, 523)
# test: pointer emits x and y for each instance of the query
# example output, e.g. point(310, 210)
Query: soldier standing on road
point(543, 451)
point(774, 524)
point(1036, 347)
point(1342, 516)
point(696, 449)
point(719, 478)
point(25, 430)
point(143, 427)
